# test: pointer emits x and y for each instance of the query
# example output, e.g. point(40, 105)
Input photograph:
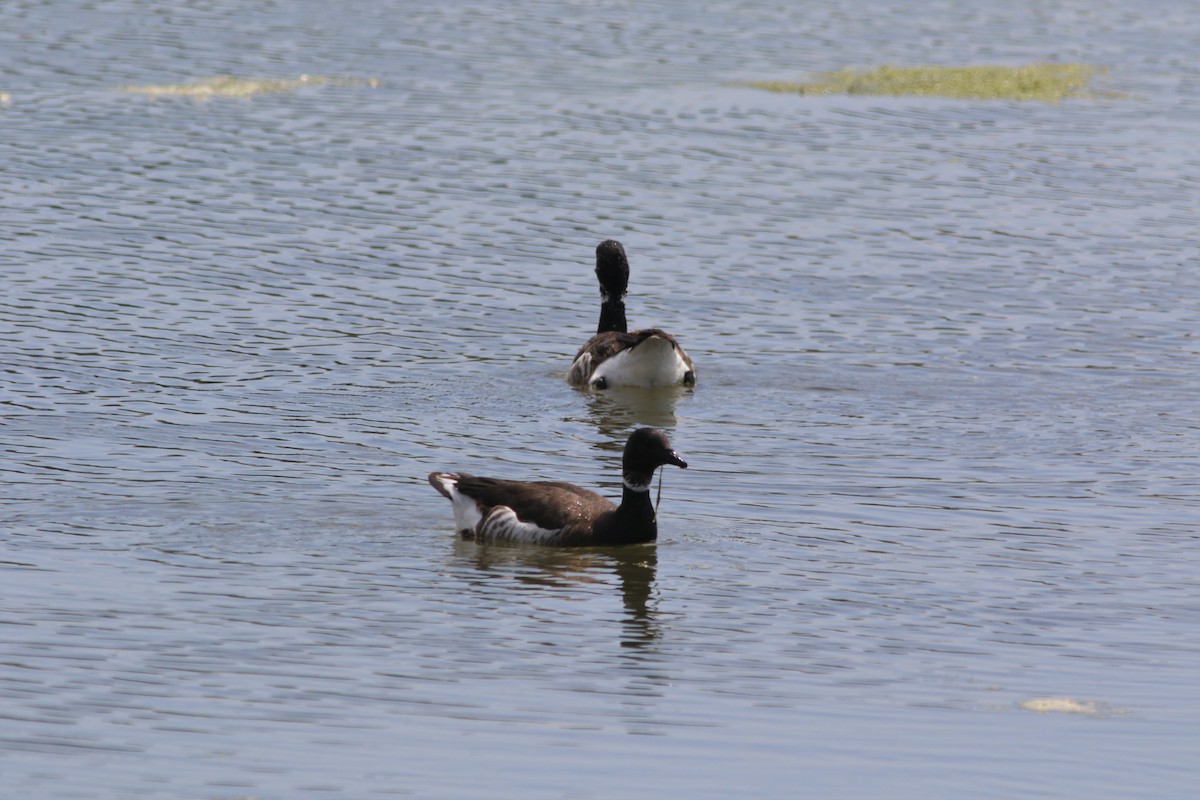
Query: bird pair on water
point(561, 514)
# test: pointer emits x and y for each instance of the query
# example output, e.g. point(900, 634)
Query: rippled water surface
point(944, 446)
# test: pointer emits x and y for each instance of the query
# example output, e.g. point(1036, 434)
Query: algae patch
point(1067, 705)
point(231, 86)
point(1045, 82)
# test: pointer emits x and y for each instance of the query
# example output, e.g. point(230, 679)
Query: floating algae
point(231, 86)
point(1066, 705)
point(1046, 82)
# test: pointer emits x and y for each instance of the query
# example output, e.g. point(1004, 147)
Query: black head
point(612, 269)
point(647, 450)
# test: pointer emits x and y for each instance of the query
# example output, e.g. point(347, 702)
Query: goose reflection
point(634, 566)
point(618, 410)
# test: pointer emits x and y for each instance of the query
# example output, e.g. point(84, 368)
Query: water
point(943, 448)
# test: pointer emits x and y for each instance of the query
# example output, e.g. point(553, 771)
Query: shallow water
point(943, 450)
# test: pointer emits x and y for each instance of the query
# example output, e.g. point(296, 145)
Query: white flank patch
point(502, 523)
point(652, 363)
point(466, 510)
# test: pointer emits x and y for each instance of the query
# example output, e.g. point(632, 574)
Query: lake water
point(944, 448)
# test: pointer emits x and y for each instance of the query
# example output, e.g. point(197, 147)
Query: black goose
point(560, 514)
point(617, 356)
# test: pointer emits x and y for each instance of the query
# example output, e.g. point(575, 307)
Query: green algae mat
point(1045, 82)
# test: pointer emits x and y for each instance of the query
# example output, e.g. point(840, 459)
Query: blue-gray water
point(945, 449)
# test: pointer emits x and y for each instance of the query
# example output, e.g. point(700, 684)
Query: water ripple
point(942, 452)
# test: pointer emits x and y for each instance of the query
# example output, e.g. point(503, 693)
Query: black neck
point(612, 317)
point(635, 517)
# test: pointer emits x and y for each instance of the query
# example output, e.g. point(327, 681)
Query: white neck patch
point(637, 487)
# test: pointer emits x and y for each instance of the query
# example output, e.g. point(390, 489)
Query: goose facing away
point(561, 514)
point(617, 356)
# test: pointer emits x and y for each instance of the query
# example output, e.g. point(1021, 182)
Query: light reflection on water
point(942, 455)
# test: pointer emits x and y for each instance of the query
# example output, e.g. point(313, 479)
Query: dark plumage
point(556, 513)
point(616, 356)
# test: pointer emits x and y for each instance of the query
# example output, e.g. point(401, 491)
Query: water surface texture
point(944, 450)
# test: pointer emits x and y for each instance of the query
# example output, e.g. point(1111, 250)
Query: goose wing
point(549, 505)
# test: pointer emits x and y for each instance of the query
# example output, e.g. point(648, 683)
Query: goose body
point(557, 513)
point(617, 356)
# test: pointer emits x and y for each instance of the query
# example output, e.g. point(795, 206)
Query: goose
point(617, 356)
point(561, 514)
